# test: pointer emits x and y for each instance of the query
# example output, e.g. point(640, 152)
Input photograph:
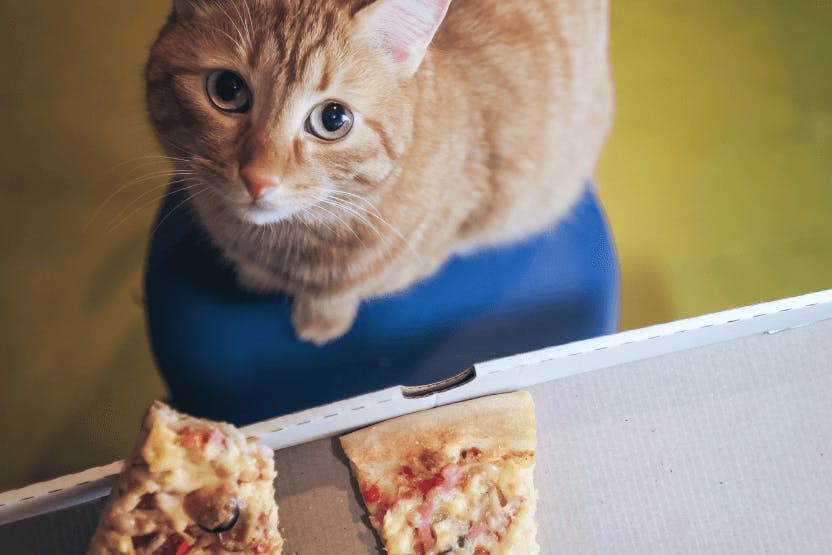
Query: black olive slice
point(234, 540)
point(228, 524)
point(214, 510)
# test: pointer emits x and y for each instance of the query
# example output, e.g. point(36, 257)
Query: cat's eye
point(228, 92)
point(330, 121)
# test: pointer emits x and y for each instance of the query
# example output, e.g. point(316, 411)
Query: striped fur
point(488, 142)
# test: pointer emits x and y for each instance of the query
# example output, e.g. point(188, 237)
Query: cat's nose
point(257, 181)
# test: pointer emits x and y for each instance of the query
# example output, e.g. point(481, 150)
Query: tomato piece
point(184, 548)
point(383, 507)
point(174, 545)
point(195, 440)
point(426, 485)
point(477, 530)
point(190, 439)
point(481, 551)
point(372, 494)
point(213, 435)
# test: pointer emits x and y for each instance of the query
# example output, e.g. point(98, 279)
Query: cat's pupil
point(334, 117)
point(229, 86)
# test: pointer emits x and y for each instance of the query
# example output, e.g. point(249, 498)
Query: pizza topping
point(477, 530)
point(147, 502)
point(425, 486)
point(236, 539)
point(214, 510)
point(184, 547)
point(192, 487)
point(469, 504)
point(372, 494)
point(453, 483)
point(430, 459)
point(424, 530)
point(196, 440)
point(141, 542)
point(232, 545)
point(469, 453)
point(446, 498)
point(451, 476)
point(501, 496)
point(171, 545)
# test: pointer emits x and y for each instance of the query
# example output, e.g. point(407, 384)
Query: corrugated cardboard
point(712, 435)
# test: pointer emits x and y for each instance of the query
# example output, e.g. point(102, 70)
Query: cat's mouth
point(259, 214)
point(263, 211)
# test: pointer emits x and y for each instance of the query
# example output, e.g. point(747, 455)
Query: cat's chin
point(265, 216)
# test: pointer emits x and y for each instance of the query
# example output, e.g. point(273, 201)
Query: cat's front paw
point(320, 321)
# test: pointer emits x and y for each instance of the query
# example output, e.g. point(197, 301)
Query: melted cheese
point(492, 508)
point(175, 460)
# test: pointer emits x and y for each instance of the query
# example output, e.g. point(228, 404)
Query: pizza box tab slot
point(422, 391)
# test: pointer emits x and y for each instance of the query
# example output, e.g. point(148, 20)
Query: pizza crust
point(505, 422)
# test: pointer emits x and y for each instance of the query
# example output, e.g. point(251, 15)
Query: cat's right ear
point(403, 29)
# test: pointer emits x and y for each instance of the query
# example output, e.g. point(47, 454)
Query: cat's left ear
point(403, 29)
point(184, 8)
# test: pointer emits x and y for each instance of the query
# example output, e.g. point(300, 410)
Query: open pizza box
point(709, 435)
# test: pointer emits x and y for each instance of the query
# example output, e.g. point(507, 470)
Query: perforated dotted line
point(329, 416)
point(493, 372)
point(55, 491)
point(653, 338)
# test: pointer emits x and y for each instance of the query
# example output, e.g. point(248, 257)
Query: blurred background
point(717, 181)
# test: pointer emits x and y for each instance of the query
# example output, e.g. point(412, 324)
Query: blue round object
point(230, 355)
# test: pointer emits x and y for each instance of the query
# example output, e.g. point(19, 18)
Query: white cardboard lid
point(710, 434)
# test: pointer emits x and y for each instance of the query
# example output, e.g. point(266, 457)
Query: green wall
point(716, 180)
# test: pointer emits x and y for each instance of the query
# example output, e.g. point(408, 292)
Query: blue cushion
point(231, 355)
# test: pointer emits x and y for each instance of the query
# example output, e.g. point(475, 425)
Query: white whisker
point(192, 156)
point(133, 183)
point(179, 180)
point(248, 31)
point(234, 41)
point(347, 208)
point(188, 198)
point(234, 24)
point(337, 217)
point(151, 202)
point(371, 211)
point(150, 159)
point(250, 18)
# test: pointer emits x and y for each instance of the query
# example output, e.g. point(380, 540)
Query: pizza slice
point(191, 487)
point(457, 479)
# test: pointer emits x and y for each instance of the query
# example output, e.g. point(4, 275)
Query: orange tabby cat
point(337, 150)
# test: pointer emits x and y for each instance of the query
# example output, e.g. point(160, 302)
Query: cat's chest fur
point(490, 141)
point(370, 258)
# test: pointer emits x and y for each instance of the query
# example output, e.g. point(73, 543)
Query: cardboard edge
point(58, 494)
point(497, 376)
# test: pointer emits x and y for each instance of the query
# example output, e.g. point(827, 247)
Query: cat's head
point(288, 108)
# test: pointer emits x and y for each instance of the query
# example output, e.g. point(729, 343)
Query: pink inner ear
point(439, 6)
point(400, 53)
point(407, 23)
